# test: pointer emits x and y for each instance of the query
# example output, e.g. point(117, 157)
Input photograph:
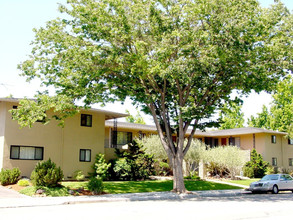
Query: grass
point(116, 187)
point(54, 192)
point(243, 182)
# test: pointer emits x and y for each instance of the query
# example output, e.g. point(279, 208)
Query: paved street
point(246, 206)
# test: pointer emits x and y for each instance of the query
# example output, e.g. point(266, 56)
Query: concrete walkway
point(9, 193)
point(223, 182)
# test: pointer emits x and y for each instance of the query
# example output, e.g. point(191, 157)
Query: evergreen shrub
point(46, 174)
point(95, 185)
point(8, 177)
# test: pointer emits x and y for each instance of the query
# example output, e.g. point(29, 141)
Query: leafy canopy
point(231, 116)
point(280, 115)
point(138, 119)
point(179, 60)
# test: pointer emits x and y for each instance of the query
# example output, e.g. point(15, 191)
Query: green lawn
point(243, 182)
point(115, 187)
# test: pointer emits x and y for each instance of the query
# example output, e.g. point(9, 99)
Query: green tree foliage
point(46, 174)
point(133, 164)
point(256, 167)
point(262, 120)
point(138, 119)
point(178, 60)
point(231, 116)
point(100, 167)
point(280, 115)
point(282, 107)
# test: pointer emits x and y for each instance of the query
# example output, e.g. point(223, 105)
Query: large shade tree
point(280, 115)
point(231, 116)
point(179, 60)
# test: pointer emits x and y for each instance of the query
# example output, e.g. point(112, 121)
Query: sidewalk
point(27, 201)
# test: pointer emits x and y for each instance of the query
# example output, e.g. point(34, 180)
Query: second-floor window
point(86, 120)
point(274, 139)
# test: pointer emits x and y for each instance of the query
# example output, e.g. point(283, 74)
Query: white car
point(272, 183)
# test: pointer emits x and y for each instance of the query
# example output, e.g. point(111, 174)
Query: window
point(26, 153)
point(274, 139)
point(290, 162)
point(121, 138)
point(232, 141)
point(124, 137)
point(86, 120)
point(85, 155)
point(290, 141)
point(274, 161)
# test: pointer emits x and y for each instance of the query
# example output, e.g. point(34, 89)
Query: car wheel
point(275, 189)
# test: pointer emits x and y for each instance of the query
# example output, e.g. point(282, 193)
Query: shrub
point(133, 164)
point(8, 177)
point(271, 170)
point(46, 174)
point(122, 169)
point(23, 182)
point(226, 160)
point(78, 175)
point(96, 185)
point(164, 169)
point(256, 167)
point(100, 167)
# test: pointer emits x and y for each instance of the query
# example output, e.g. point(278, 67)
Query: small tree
point(256, 167)
point(100, 167)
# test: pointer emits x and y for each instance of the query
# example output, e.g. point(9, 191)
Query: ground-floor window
point(26, 152)
point(290, 141)
point(85, 155)
point(274, 161)
point(290, 162)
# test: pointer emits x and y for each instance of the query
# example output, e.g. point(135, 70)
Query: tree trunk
point(178, 181)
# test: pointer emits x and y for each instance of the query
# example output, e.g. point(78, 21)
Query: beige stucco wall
point(48, 136)
point(62, 145)
point(287, 153)
point(78, 137)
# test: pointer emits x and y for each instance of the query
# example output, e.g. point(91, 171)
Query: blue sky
point(19, 17)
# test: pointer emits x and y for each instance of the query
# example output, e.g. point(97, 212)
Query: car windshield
point(270, 177)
